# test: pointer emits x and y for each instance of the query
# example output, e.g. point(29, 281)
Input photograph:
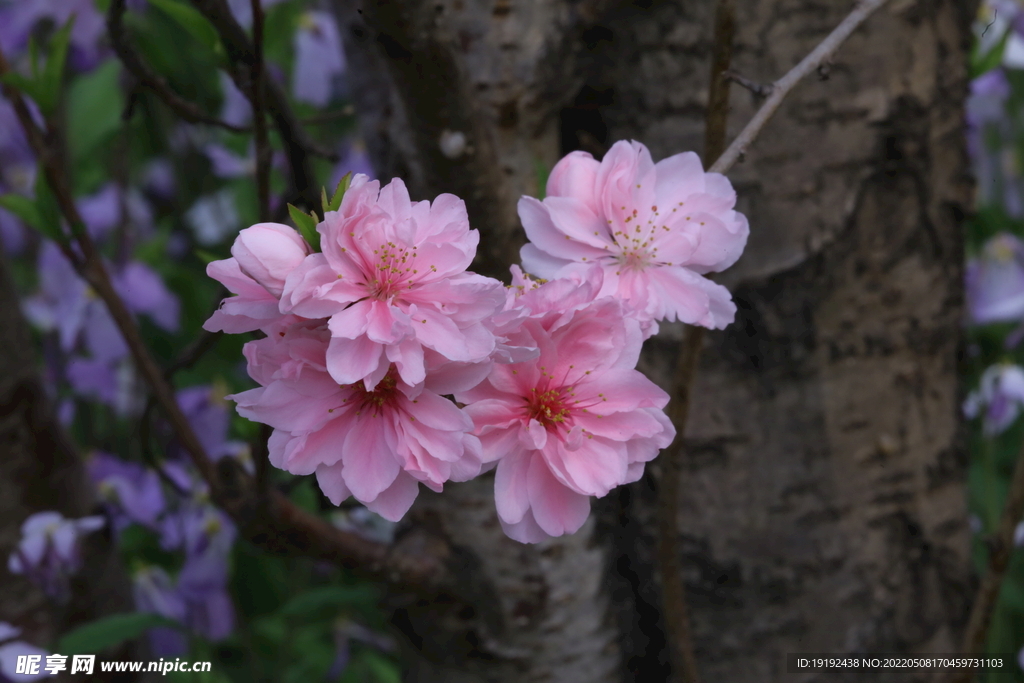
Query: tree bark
point(41, 470)
point(824, 503)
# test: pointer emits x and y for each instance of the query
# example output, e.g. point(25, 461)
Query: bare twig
point(150, 79)
point(758, 89)
point(675, 605)
point(817, 57)
point(259, 114)
point(670, 483)
point(242, 55)
point(1000, 547)
point(278, 525)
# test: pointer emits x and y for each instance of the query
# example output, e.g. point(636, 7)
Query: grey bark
point(824, 507)
point(41, 470)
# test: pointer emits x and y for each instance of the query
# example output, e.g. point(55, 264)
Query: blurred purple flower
point(132, 492)
point(208, 413)
point(19, 18)
point(354, 160)
point(49, 553)
point(318, 58)
point(995, 281)
point(144, 292)
point(227, 164)
point(236, 109)
point(10, 650)
point(112, 205)
point(242, 9)
point(213, 218)
point(17, 174)
point(158, 179)
point(155, 593)
point(998, 399)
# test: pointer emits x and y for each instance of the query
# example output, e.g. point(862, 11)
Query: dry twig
point(670, 483)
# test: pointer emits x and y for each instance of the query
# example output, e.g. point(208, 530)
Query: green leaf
point(95, 103)
point(53, 74)
point(98, 635)
point(339, 192)
point(326, 602)
point(206, 256)
point(981, 63)
point(46, 205)
point(25, 209)
point(384, 670)
point(192, 21)
point(306, 225)
point(541, 172)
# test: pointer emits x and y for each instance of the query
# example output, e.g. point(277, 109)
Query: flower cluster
point(49, 552)
point(386, 363)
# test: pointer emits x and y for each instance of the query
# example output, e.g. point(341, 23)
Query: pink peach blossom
point(574, 422)
point(392, 281)
point(655, 229)
point(262, 257)
point(376, 445)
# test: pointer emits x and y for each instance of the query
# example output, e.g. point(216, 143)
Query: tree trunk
point(40, 470)
point(824, 503)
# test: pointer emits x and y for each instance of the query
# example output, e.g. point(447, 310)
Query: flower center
point(374, 401)
point(550, 407)
point(393, 270)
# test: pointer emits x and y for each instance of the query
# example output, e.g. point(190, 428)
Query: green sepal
point(306, 225)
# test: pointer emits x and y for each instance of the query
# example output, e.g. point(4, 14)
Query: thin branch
point(277, 524)
point(812, 62)
point(242, 55)
point(152, 80)
point(1000, 548)
point(673, 466)
point(675, 605)
point(257, 100)
point(758, 89)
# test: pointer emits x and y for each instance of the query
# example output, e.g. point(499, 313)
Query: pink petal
point(556, 509)
point(679, 176)
point(407, 356)
point(542, 232)
point(575, 175)
point(394, 501)
point(332, 482)
point(692, 299)
point(322, 447)
point(511, 490)
point(370, 465)
point(350, 360)
point(598, 466)
point(525, 531)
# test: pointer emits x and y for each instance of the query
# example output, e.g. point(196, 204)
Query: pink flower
point(574, 422)
point(392, 280)
point(374, 445)
point(262, 257)
point(653, 228)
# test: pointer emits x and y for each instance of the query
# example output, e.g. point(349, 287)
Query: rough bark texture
point(40, 470)
point(824, 503)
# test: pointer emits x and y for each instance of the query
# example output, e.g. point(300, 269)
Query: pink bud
point(267, 252)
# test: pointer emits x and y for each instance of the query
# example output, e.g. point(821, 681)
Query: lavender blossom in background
point(213, 218)
point(17, 174)
point(208, 413)
point(131, 492)
point(10, 650)
point(995, 281)
point(998, 399)
point(318, 58)
point(354, 160)
point(242, 9)
point(154, 593)
point(49, 552)
point(20, 17)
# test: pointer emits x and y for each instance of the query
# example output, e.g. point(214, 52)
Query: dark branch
point(150, 79)
point(274, 523)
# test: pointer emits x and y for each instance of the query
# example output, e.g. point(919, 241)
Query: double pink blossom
point(654, 229)
point(261, 258)
point(375, 445)
point(574, 422)
point(392, 282)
